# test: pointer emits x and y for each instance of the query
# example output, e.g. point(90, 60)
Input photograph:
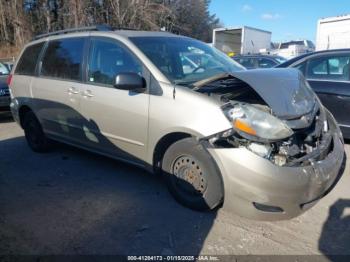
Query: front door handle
point(73, 90)
point(88, 93)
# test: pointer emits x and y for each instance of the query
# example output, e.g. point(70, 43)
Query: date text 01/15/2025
point(173, 258)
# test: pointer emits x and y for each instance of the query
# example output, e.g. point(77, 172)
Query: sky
point(286, 19)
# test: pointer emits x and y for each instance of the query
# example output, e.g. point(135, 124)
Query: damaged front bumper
point(259, 189)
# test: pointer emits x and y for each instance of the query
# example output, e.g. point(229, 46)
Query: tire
point(192, 176)
point(34, 134)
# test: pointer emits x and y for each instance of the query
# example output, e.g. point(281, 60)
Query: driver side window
point(108, 59)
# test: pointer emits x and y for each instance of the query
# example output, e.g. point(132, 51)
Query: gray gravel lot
point(70, 201)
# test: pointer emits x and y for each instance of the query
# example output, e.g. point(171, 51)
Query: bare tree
point(4, 33)
point(21, 19)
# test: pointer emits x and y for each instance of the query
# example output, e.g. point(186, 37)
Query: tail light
point(9, 80)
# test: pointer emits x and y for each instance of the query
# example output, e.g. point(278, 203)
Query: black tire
point(34, 134)
point(192, 176)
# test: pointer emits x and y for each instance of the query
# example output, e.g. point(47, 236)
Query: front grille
point(311, 143)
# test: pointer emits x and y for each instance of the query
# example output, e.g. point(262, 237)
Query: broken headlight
point(255, 124)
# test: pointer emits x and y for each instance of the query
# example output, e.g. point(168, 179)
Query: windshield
point(3, 69)
point(183, 60)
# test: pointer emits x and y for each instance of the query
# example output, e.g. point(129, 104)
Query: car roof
point(76, 32)
point(105, 29)
point(257, 55)
point(125, 33)
point(134, 33)
point(304, 56)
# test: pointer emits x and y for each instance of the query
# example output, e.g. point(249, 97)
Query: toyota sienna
point(258, 142)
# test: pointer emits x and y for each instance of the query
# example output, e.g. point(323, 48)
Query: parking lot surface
point(70, 201)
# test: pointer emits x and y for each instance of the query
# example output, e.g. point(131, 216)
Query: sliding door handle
point(73, 90)
point(87, 93)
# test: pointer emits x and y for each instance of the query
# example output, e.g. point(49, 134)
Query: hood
point(284, 90)
point(3, 81)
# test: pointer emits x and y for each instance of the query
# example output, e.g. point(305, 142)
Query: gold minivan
point(258, 142)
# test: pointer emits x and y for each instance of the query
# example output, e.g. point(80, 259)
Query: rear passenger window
point(248, 63)
point(3, 69)
point(63, 59)
point(27, 63)
point(266, 63)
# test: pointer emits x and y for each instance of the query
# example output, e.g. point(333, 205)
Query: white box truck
point(241, 40)
point(333, 33)
point(292, 49)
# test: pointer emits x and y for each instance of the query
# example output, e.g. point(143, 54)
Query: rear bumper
point(14, 107)
point(250, 179)
point(5, 101)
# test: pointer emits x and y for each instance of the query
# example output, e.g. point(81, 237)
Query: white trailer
point(241, 40)
point(333, 33)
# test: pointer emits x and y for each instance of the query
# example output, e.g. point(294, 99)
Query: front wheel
point(34, 134)
point(192, 175)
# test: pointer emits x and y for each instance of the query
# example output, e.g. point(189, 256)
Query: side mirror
point(130, 81)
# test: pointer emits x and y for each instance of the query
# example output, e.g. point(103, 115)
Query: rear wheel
point(34, 134)
point(192, 175)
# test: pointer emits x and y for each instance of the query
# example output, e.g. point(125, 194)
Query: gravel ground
point(74, 202)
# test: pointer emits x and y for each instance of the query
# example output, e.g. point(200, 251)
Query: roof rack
point(81, 29)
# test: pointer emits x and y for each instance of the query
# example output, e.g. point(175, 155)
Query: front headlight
point(255, 124)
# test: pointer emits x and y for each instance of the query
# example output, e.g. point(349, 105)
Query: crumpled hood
point(284, 90)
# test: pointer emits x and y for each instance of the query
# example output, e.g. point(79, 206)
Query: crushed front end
point(275, 166)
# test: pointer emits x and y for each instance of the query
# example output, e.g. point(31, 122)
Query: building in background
point(333, 33)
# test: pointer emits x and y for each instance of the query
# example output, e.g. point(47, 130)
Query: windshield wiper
point(197, 85)
point(183, 83)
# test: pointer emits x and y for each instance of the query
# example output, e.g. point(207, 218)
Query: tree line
point(20, 20)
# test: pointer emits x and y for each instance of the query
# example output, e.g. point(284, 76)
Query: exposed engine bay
point(297, 140)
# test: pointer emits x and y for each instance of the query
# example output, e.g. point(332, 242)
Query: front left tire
point(192, 176)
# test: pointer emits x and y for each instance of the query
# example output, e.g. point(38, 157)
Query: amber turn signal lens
point(240, 125)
